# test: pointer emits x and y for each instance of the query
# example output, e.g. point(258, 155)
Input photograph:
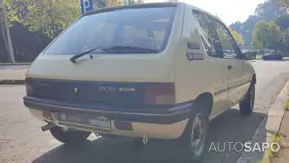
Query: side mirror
point(249, 55)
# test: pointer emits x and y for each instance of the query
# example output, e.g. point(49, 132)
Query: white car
point(148, 71)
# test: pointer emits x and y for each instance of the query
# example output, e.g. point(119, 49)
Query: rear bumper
point(163, 115)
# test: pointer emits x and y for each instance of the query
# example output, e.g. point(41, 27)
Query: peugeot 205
point(150, 71)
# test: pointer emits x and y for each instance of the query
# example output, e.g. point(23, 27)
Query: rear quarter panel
point(192, 77)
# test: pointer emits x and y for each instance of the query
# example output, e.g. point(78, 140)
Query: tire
point(247, 104)
point(191, 132)
point(69, 137)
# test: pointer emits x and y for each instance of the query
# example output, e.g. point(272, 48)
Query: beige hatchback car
point(160, 70)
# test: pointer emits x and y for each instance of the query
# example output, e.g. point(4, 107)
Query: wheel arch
point(254, 80)
point(206, 98)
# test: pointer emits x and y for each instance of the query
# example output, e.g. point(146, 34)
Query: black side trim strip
point(232, 87)
point(239, 84)
point(221, 91)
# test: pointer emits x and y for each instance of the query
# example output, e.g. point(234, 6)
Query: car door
point(238, 82)
point(217, 70)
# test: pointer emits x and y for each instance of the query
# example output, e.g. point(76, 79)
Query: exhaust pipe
point(47, 127)
point(145, 140)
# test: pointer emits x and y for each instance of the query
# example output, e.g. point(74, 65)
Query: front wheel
point(194, 138)
point(70, 136)
point(247, 104)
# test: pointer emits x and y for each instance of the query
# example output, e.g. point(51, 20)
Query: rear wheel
point(70, 136)
point(194, 138)
point(247, 104)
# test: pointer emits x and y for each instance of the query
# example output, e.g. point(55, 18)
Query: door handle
point(230, 67)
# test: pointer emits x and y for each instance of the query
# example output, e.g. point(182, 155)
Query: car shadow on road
point(283, 60)
point(229, 127)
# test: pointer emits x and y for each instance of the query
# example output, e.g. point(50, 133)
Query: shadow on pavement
point(229, 127)
point(284, 59)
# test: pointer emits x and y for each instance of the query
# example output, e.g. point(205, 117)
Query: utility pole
point(6, 33)
point(51, 13)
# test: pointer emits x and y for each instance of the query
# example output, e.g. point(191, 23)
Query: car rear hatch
point(104, 79)
point(107, 74)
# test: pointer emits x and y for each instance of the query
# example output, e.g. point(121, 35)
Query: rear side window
point(229, 46)
point(209, 34)
point(136, 27)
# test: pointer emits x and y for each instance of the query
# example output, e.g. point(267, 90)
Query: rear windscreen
point(136, 27)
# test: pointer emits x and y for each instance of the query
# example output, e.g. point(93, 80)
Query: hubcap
point(198, 134)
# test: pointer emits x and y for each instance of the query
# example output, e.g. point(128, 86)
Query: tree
point(260, 34)
point(132, 2)
point(238, 37)
point(268, 11)
point(172, 0)
point(265, 34)
point(48, 16)
point(111, 3)
point(283, 22)
point(275, 32)
point(285, 38)
point(237, 26)
point(246, 28)
point(283, 3)
point(275, 37)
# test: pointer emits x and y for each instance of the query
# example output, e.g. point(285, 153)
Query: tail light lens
point(160, 94)
point(29, 87)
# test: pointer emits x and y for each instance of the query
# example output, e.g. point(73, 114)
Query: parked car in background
point(272, 56)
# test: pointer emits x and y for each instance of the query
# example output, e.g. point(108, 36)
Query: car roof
point(143, 5)
point(149, 5)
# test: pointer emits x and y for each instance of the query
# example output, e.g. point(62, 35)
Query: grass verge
point(276, 139)
point(272, 153)
point(286, 105)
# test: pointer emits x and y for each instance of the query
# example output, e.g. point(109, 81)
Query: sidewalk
point(266, 133)
point(12, 75)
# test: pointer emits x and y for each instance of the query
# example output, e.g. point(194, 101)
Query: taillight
point(29, 87)
point(160, 94)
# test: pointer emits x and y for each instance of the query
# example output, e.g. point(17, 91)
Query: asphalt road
point(22, 141)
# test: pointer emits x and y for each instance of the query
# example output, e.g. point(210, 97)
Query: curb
point(12, 82)
point(14, 64)
point(268, 127)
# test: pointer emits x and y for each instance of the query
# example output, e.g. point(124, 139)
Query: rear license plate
point(84, 120)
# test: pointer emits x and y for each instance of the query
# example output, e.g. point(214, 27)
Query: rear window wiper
point(75, 57)
point(124, 49)
point(121, 49)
